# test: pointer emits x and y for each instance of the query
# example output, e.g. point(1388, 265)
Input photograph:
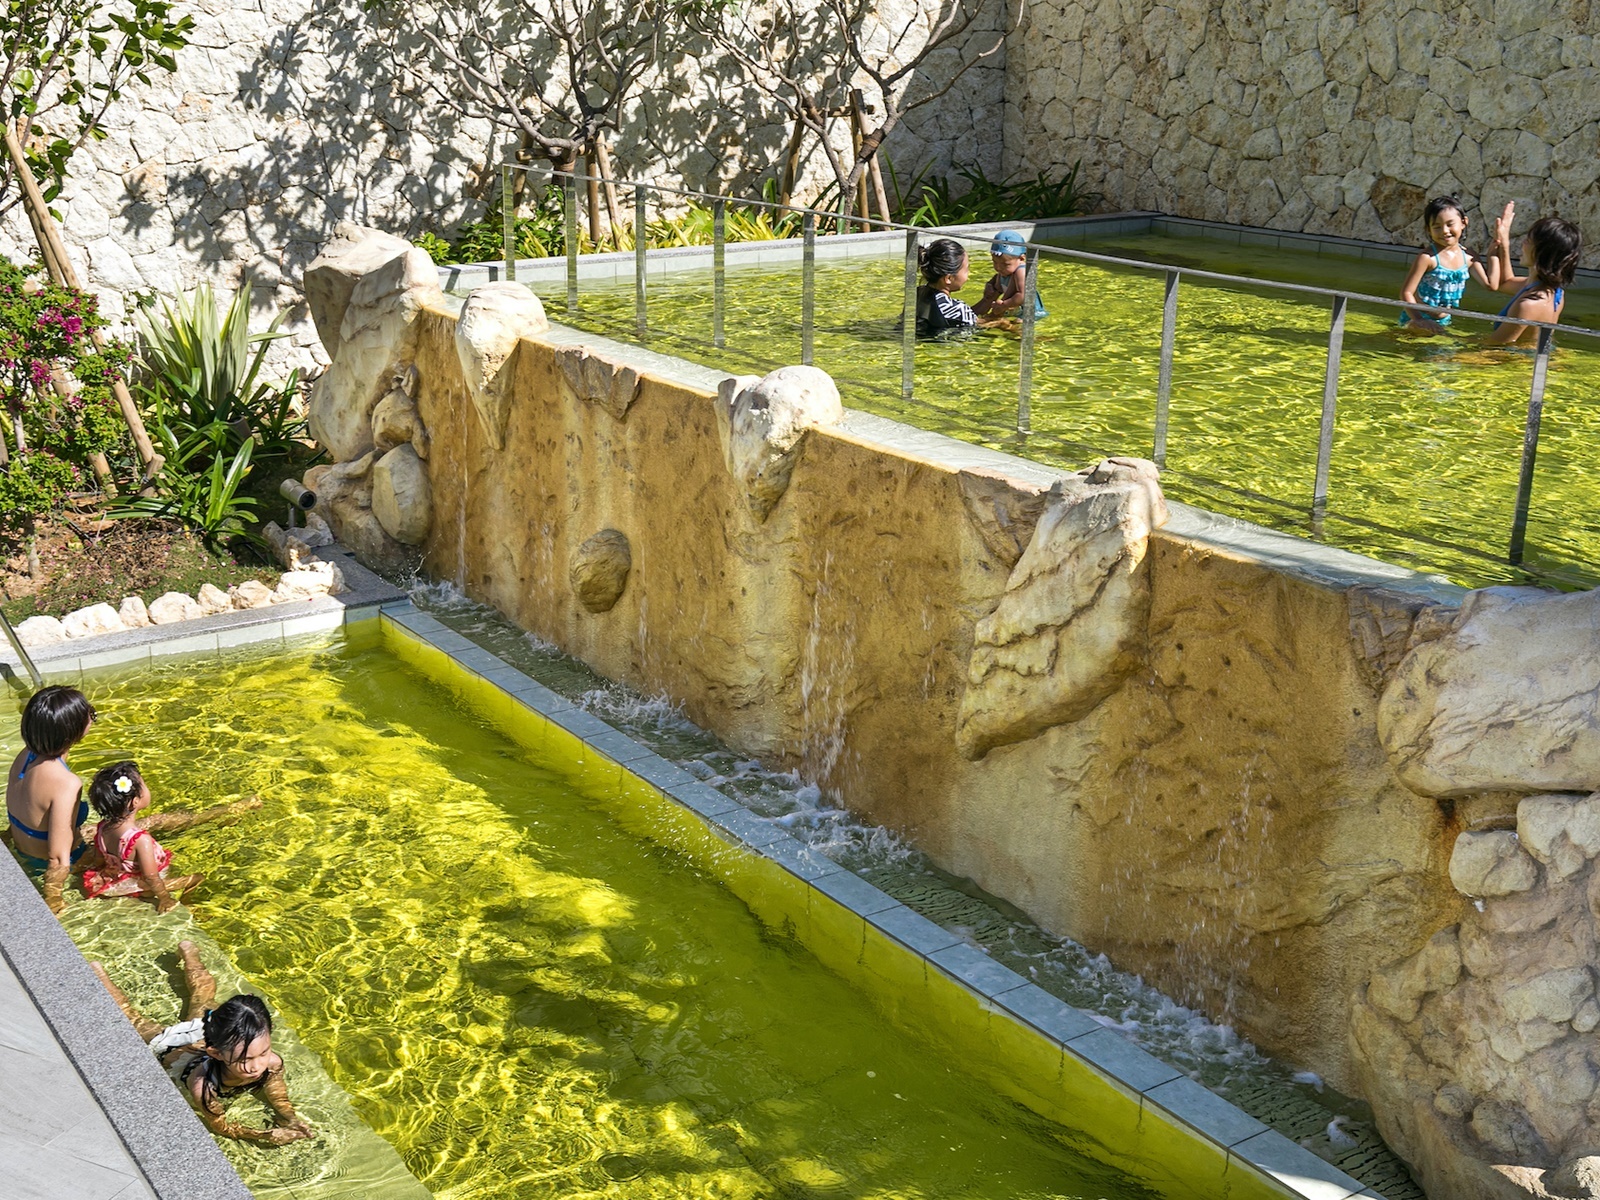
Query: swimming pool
point(457, 914)
point(1429, 435)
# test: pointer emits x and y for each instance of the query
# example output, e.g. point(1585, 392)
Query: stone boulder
point(388, 287)
point(1492, 863)
point(762, 422)
point(41, 631)
point(344, 497)
point(600, 570)
point(213, 599)
point(312, 580)
point(133, 613)
point(174, 607)
point(252, 593)
point(1501, 697)
point(395, 420)
point(402, 498)
point(494, 319)
point(595, 379)
point(1071, 624)
point(1562, 832)
point(92, 621)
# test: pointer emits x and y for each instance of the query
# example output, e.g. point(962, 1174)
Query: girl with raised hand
point(1550, 252)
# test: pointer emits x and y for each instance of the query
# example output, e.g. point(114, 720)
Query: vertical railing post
point(508, 220)
point(1030, 290)
point(808, 288)
point(569, 215)
point(640, 244)
point(719, 243)
point(908, 320)
point(1330, 401)
point(1169, 335)
point(1530, 445)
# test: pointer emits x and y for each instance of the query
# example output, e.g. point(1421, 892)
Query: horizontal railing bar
point(1305, 289)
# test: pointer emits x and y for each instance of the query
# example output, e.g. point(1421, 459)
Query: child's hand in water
point(285, 1134)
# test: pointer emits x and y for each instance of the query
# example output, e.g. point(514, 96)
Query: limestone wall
point(1202, 792)
point(1336, 117)
point(286, 117)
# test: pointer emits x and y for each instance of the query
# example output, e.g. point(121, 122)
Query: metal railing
point(1338, 300)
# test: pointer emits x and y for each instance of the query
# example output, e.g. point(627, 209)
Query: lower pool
point(521, 996)
point(1429, 436)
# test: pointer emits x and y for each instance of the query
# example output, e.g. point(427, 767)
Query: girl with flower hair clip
point(132, 862)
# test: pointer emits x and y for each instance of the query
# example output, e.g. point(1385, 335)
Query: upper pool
point(517, 991)
point(1429, 436)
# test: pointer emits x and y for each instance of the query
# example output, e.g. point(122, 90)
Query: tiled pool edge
point(1171, 1097)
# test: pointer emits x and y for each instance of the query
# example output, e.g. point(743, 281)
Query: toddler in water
point(132, 862)
point(945, 270)
point(1438, 280)
point(1550, 252)
point(1002, 295)
point(217, 1053)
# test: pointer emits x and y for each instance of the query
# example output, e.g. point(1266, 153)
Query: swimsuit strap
point(27, 762)
point(36, 834)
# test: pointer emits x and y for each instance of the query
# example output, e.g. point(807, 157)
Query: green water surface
point(1427, 443)
point(521, 997)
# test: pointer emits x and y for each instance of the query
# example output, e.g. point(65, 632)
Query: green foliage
point(929, 200)
point(202, 373)
point(55, 388)
point(201, 485)
point(63, 63)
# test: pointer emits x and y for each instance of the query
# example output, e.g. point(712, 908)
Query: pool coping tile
point(750, 829)
point(1050, 1015)
point(800, 860)
point(846, 888)
point(1295, 1167)
point(664, 773)
point(581, 723)
point(976, 969)
point(1116, 1056)
point(698, 797)
point(1202, 1109)
point(913, 930)
point(619, 747)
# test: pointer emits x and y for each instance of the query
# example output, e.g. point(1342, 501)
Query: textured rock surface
point(1499, 695)
point(133, 612)
point(172, 607)
point(494, 319)
point(212, 599)
point(600, 567)
point(1476, 1052)
point(309, 582)
point(389, 284)
point(402, 499)
point(1562, 832)
point(344, 498)
point(1309, 118)
point(41, 631)
point(594, 379)
point(252, 593)
point(762, 422)
point(91, 621)
point(1072, 622)
point(395, 419)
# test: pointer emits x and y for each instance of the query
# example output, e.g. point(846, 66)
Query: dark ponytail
point(1557, 246)
point(940, 258)
point(230, 1028)
point(110, 801)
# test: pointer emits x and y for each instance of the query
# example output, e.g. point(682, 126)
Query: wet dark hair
point(939, 258)
point(1441, 204)
point(1556, 246)
point(108, 801)
point(230, 1027)
point(55, 720)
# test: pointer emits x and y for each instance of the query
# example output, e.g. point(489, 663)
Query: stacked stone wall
point(1338, 117)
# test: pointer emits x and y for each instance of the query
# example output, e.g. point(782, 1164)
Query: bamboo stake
point(791, 164)
point(52, 247)
point(602, 159)
point(860, 197)
point(591, 194)
point(859, 106)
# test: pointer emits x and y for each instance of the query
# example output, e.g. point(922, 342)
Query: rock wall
point(1337, 117)
point(286, 117)
point(1209, 803)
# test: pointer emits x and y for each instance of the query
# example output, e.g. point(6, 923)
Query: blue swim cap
point(1009, 242)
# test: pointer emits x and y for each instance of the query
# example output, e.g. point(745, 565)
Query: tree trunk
point(791, 164)
point(602, 159)
point(858, 194)
point(869, 147)
point(591, 188)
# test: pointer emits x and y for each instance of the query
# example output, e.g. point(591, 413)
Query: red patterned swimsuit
point(120, 876)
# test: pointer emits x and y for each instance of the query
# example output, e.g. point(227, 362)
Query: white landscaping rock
point(762, 423)
point(174, 607)
point(92, 621)
point(252, 593)
point(133, 613)
point(41, 631)
point(312, 580)
point(493, 320)
point(1491, 864)
point(402, 497)
point(213, 599)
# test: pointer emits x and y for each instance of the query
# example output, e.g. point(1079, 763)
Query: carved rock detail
point(1498, 696)
point(402, 498)
point(494, 319)
point(600, 570)
point(1071, 624)
point(1003, 511)
point(596, 379)
point(762, 422)
point(344, 498)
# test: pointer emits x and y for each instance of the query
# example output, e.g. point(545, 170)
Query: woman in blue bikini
point(1550, 252)
point(44, 799)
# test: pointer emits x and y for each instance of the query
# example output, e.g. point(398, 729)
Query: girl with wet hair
point(944, 268)
point(1550, 252)
point(130, 862)
point(215, 1054)
point(45, 807)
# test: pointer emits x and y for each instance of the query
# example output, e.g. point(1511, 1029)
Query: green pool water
point(1429, 435)
point(522, 997)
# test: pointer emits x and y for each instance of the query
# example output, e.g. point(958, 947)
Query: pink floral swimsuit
point(120, 876)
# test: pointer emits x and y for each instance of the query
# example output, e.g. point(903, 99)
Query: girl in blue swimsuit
point(1438, 279)
point(1550, 252)
point(44, 799)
